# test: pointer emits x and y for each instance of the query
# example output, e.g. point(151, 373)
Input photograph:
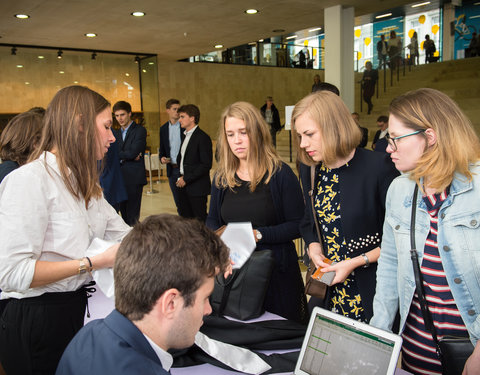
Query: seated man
point(164, 274)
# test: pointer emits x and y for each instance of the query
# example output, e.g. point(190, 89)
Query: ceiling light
point(420, 4)
point(151, 63)
point(61, 72)
point(94, 55)
point(252, 43)
point(127, 74)
point(22, 16)
point(27, 83)
point(315, 29)
point(59, 54)
point(251, 11)
point(75, 82)
point(384, 15)
point(260, 40)
point(19, 66)
point(14, 50)
point(144, 70)
point(291, 37)
point(138, 14)
point(90, 35)
point(474, 16)
point(41, 57)
point(217, 46)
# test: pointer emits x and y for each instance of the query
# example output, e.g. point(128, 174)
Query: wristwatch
point(258, 235)
point(82, 268)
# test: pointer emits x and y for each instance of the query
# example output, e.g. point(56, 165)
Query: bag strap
point(226, 293)
point(311, 194)
point(427, 316)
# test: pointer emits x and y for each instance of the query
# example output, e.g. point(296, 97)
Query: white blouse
point(41, 220)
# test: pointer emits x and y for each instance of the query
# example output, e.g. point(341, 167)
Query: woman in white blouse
point(51, 209)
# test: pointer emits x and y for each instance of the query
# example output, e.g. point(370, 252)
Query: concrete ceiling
point(174, 29)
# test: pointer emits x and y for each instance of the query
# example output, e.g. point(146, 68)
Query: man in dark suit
point(164, 274)
point(195, 164)
point(132, 140)
point(171, 137)
point(382, 48)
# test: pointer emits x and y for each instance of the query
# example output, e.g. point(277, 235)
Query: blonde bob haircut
point(340, 133)
point(456, 146)
point(262, 158)
point(70, 129)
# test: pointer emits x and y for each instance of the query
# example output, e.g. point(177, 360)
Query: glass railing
point(267, 54)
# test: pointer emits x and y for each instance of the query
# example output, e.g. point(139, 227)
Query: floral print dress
point(346, 299)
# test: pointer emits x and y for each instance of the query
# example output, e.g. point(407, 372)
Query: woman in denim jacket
point(434, 144)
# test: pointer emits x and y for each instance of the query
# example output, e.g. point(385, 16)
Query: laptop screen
point(338, 345)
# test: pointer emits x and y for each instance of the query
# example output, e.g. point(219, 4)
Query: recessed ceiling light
point(252, 43)
point(219, 46)
point(291, 37)
point(138, 14)
point(61, 72)
point(260, 40)
point(420, 4)
point(127, 74)
point(278, 31)
point(41, 57)
point(315, 29)
point(19, 66)
point(144, 70)
point(75, 82)
point(251, 11)
point(22, 16)
point(27, 83)
point(90, 35)
point(151, 63)
point(384, 15)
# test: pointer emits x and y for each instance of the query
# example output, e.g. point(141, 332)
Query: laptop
point(335, 345)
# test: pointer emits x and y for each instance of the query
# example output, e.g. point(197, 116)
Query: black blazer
point(165, 145)
point(133, 171)
point(197, 163)
point(363, 189)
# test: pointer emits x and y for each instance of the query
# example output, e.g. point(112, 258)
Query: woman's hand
point(342, 270)
point(229, 269)
point(316, 255)
point(105, 259)
point(472, 366)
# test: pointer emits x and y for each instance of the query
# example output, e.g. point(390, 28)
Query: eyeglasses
point(391, 140)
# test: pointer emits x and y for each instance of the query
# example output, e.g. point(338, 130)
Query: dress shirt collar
point(175, 124)
point(165, 358)
point(51, 161)
point(190, 131)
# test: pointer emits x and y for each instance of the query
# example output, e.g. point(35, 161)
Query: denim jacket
point(458, 244)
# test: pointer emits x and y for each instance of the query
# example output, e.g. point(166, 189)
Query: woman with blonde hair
point(433, 143)
point(51, 213)
point(349, 189)
point(252, 184)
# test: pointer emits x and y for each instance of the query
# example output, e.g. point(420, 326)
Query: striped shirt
point(419, 354)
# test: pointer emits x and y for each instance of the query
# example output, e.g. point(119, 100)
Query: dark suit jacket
point(165, 145)
point(197, 163)
point(113, 345)
point(133, 171)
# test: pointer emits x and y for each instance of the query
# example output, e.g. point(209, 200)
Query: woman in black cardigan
point(349, 198)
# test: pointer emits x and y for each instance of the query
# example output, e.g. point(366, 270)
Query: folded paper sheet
point(239, 239)
point(103, 277)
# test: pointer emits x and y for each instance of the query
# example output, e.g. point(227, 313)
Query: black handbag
point(242, 295)
point(453, 351)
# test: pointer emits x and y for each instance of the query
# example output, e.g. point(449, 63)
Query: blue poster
point(384, 27)
point(467, 22)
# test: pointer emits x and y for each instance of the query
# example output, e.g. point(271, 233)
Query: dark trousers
point(172, 180)
point(273, 133)
point(192, 206)
point(130, 209)
point(35, 331)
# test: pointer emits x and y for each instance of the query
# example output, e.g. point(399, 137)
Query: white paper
point(103, 277)
point(239, 239)
point(288, 116)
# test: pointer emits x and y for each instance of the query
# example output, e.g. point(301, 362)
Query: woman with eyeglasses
point(350, 185)
point(433, 143)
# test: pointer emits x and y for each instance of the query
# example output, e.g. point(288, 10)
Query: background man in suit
point(171, 137)
point(272, 117)
point(195, 165)
point(382, 123)
point(164, 273)
point(132, 140)
point(382, 48)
